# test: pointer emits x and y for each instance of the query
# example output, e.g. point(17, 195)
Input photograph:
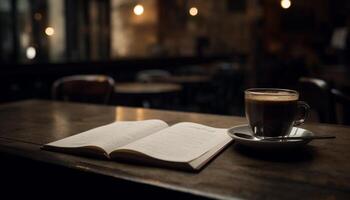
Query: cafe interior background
point(209, 51)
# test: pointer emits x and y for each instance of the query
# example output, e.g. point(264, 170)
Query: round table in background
point(156, 95)
point(187, 79)
point(146, 88)
point(194, 88)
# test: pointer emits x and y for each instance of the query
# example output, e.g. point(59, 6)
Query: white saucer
point(257, 143)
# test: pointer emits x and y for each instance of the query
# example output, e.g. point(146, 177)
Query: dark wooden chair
point(317, 93)
point(342, 106)
point(227, 85)
point(84, 88)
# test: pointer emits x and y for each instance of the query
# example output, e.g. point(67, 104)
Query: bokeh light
point(49, 31)
point(31, 53)
point(138, 9)
point(285, 4)
point(193, 11)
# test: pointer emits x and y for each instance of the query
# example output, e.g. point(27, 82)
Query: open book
point(184, 145)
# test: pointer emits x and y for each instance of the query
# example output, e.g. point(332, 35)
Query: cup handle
point(305, 112)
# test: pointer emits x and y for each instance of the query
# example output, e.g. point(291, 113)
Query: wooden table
point(320, 171)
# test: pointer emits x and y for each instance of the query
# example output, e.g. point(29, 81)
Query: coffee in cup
point(273, 112)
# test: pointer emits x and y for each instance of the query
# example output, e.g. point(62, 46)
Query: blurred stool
point(83, 88)
point(317, 94)
point(155, 95)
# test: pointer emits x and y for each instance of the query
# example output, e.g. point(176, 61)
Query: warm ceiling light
point(49, 31)
point(285, 4)
point(193, 11)
point(30, 53)
point(138, 9)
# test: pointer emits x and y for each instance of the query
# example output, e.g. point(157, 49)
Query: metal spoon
point(248, 136)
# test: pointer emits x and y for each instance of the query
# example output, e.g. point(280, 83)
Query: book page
point(112, 136)
point(181, 142)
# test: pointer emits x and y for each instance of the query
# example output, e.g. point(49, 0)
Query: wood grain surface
point(321, 170)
